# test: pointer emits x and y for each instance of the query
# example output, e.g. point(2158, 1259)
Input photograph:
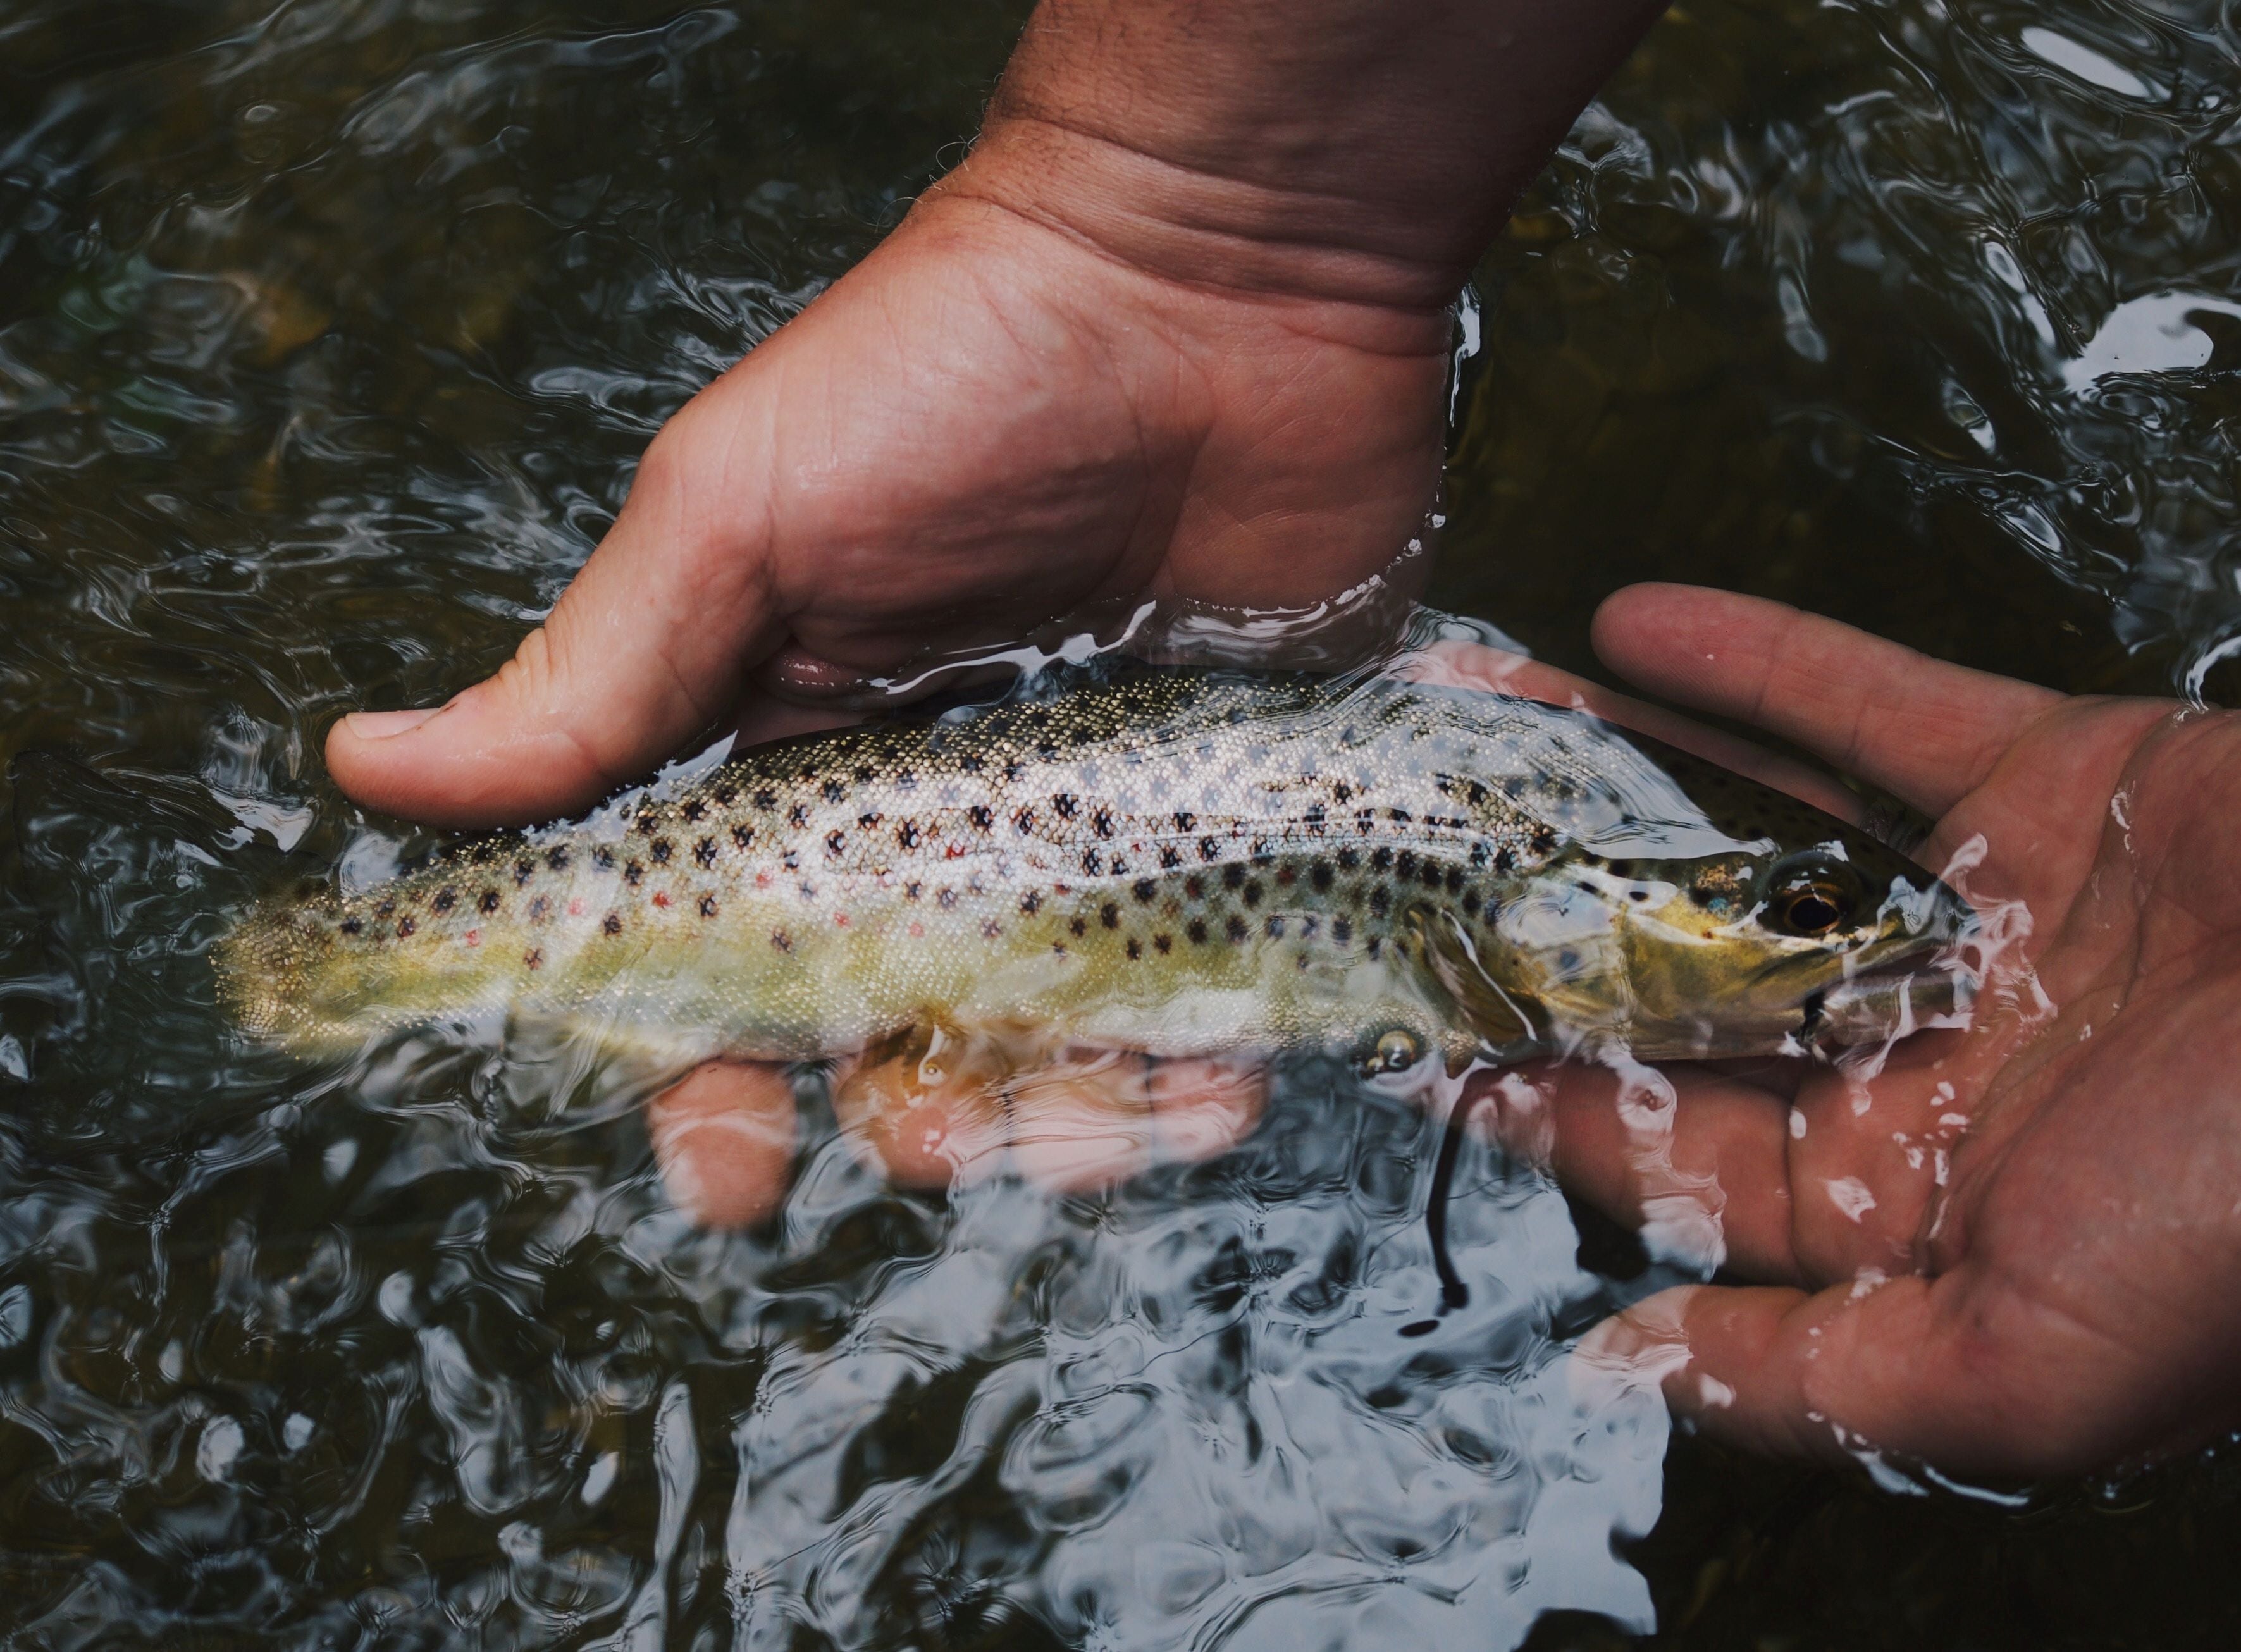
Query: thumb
point(646, 648)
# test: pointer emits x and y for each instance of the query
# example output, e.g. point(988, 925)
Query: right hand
point(986, 424)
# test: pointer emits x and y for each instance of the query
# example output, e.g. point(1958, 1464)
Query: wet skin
point(2005, 1253)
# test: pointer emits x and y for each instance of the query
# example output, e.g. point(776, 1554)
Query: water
point(327, 336)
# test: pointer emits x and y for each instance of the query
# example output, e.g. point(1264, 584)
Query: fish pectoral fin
point(1504, 1021)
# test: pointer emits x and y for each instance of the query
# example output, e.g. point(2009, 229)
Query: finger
point(1697, 1162)
point(927, 1109)
point(1952, 1371)
point(1473, 666)
point(1924, 730)
point(724, 1137)
point(644, 651)
point(1097, 1117)
point(1205, 1105)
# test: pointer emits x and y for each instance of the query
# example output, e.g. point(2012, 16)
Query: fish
point(1176, 862)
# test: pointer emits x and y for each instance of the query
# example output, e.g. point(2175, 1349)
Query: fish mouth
point(1888, 1002)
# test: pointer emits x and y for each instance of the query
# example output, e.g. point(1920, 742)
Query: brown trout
point(1177, 863)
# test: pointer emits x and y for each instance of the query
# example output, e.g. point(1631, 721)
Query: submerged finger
point(1925, 731)
point(724, 1137)
point(926, 1111)
point(1096, 1117)
point(1694, 1160)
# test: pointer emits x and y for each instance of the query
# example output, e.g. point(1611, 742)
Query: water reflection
point(329, 333)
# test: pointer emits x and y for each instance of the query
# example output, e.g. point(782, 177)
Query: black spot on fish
point(1079, 926)
point(869, 820)
point(1274, 928)
point(1319, 876)
point(791, 860)
point(613, 923)
point(489, 902)
point(1382, 859)
point(1066, 804)
point(907, 780)
point(836, 842)
point(707, 906)
point(1135, 947)
point(1313, 820)
point(1143, 889)
point(1375, 947)
point(445, 900)
point(1430, 874)
point(906, 834)
point(350, 926)
point(981, 816)
point(780, 940)
point(633, 875)
point(705, 852)
point(534, 958)
point(1233, 876)
point(1196, 930)
point(386, 909)
point(972, 763)
point(662, 850)
point(1170, 857)
point(1404, 863)
point(765, 799)
point(742, 836)
point(1342, 791)
point(1185, 820)
point(557, 858)
point(1031, 903)
point(540, 906)
point(946, 898)
point(1236, 929)
point(1024, 822)
point(1209, 849)
point(798, 815)
point(1195, 887)
point(1162, 944)
point(1480, 855)
point(1399, 817)
point(1505, 860)
point(1252, 894)
point(695, 809)
point(1349, 858)
point(1544, 840)
point(1093, 861)
point(523, 872)
point(913, 891)
point(990, 929)
point(604, 859)
point(1109, 916)
point(1102, 823)
point(726, 795)
point(1341, 931)
point(865, 771)
point(833, 791)
point(1381, 902)
point(1455, 880)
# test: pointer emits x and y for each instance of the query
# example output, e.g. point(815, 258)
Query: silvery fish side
point(1180, 863)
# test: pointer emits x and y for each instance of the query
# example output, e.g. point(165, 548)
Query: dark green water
point(328, 337)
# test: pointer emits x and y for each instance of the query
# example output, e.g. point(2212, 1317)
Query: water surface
point(329, 334)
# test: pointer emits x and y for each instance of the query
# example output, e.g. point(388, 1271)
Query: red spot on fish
point(840, 920)
point(661, 898)
point(762, 881)
point(955, 851)
point(474, 938)
point(917, 930)
point(575, 909)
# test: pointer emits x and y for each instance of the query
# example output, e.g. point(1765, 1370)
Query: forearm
point(1364, 150)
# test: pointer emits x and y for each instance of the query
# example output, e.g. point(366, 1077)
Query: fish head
point(1730, 920)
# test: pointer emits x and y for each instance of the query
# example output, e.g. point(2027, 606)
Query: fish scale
point(1177, 862)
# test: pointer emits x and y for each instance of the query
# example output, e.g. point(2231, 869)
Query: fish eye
point(1812, 899)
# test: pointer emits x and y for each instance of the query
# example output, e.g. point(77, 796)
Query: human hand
point(2011, 1250)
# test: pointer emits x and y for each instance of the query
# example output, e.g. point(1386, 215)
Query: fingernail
point(381, 725)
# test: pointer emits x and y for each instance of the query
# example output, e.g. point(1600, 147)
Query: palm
point(2054, 1195)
